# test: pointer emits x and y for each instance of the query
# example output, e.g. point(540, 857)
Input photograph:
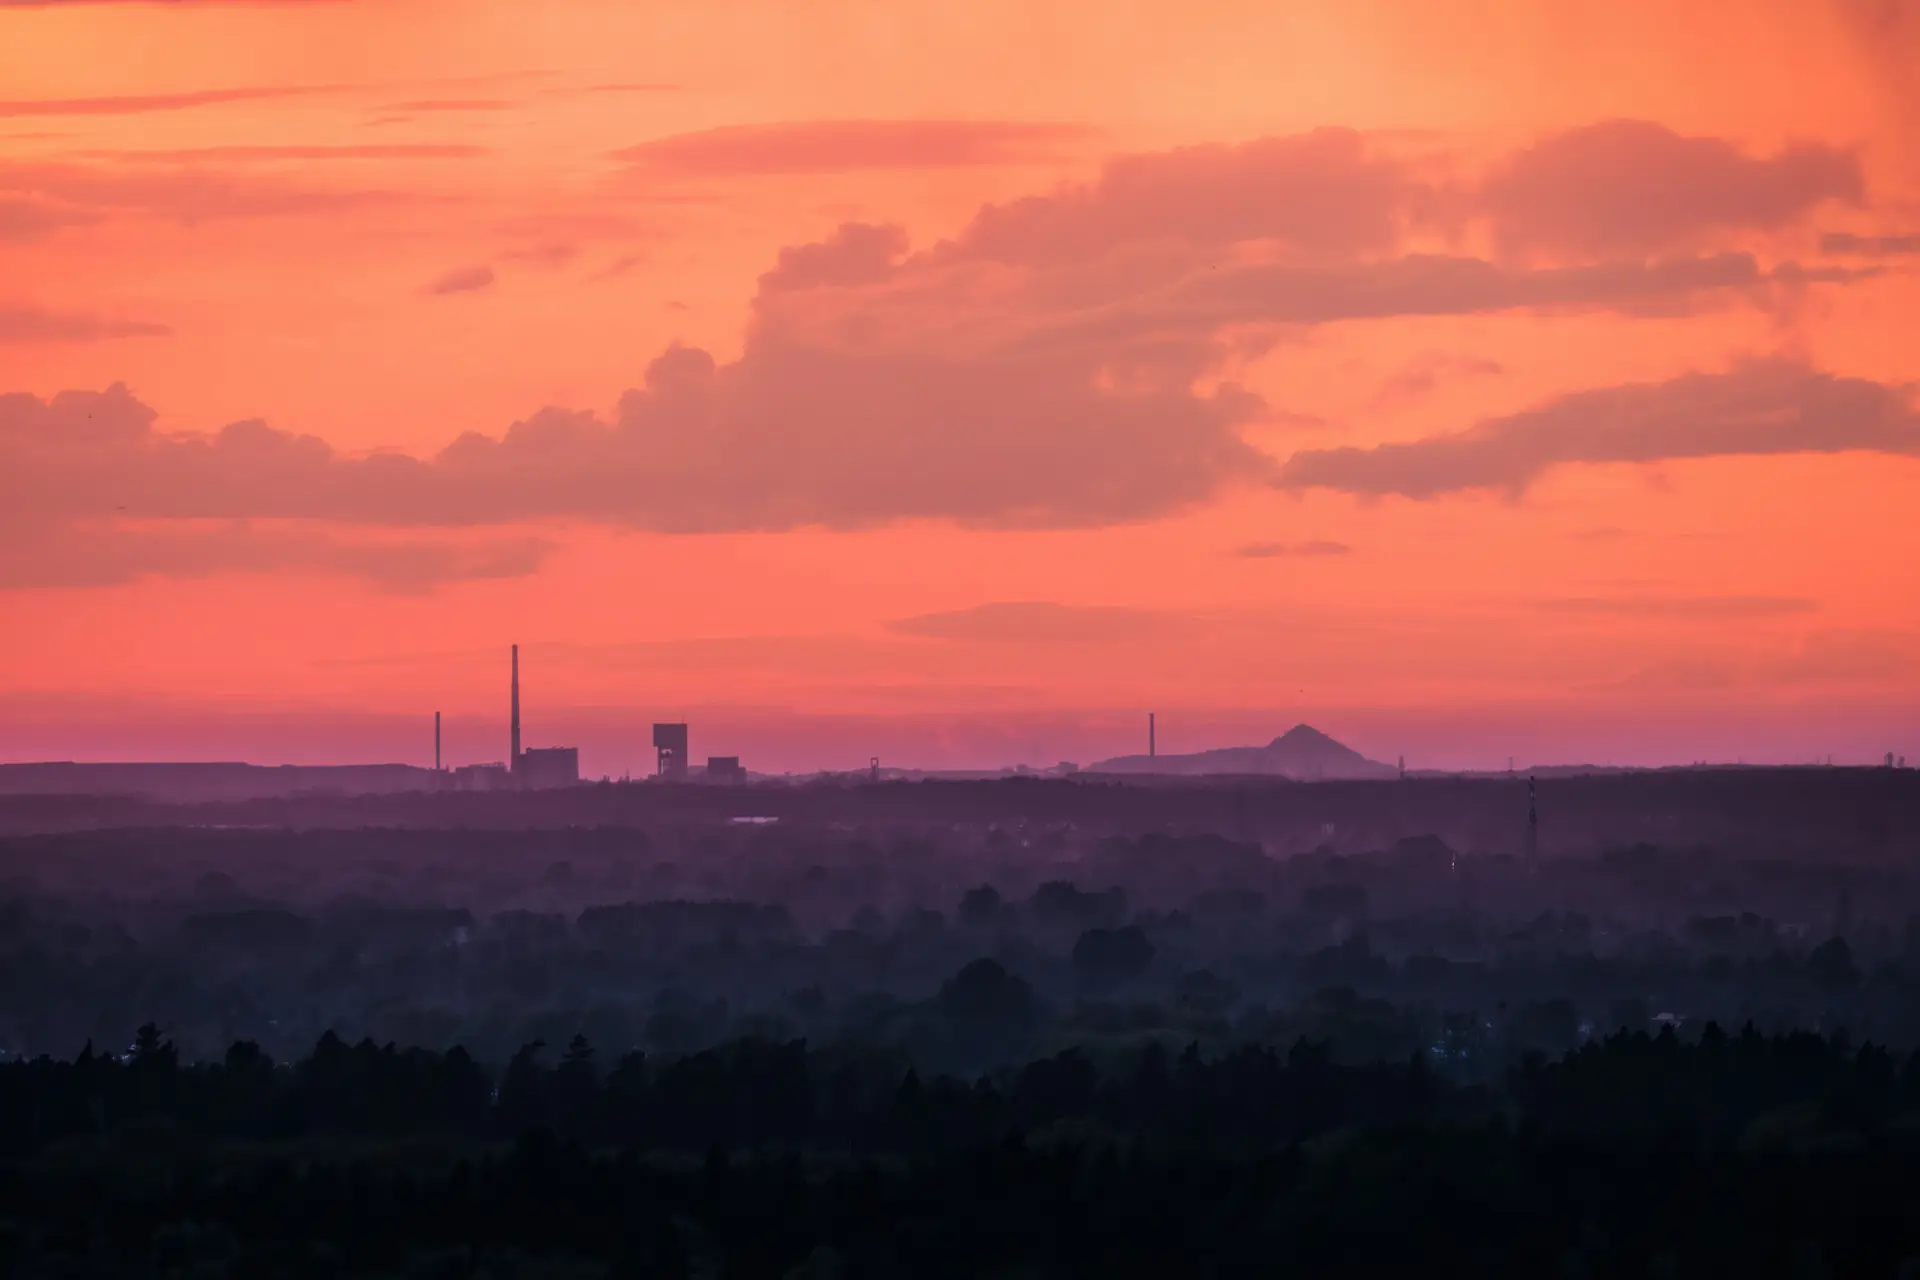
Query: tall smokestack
point(513, 759)
point(436, 742)
point(1151, 750)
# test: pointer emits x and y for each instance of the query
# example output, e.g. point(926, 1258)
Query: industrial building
point(550, 766)
point(482, 777)
point(536, 766)
point(725, 769)
point(670, 741)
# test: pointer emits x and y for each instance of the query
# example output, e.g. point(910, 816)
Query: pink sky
point(957, 383)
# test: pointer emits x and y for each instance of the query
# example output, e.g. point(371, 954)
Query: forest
point(1159, 1037)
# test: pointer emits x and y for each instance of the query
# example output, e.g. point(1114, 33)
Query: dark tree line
point(1717, 1089)
point(1640, 1155)
point(747, 1095)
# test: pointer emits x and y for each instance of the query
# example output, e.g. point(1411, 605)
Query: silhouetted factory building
point(545, 767)
point(536, 766)
point(550, 766)
point(670, 741)
point(482, 777)
point(540, 767)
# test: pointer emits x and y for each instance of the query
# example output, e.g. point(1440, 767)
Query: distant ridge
point(1302, 753)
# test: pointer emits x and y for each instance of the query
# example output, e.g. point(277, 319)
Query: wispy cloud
point(614, 88)
point(138, 103)
point(1680, 608)
point(1030, 621)
point(187, 194)
point(1424, 375)
point(271, 154)
point(1278, 550)
point(29, 218)
point(618, 267)
point(19, 324)
point(1846, 244)
point(451, 104)
point(845, 146)
point(551, 255)
point(182, 4)
point(104, 553)
point(462, 280)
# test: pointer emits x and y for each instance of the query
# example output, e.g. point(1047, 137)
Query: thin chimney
point(513, 747)
point(1151, 749)
point(436, 742)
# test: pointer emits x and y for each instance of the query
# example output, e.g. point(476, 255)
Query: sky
point(960, 383)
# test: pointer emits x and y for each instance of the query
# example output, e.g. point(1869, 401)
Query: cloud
point(1680, 608)
point(1198, 304)
point(849, 146)
point(274, 154)
point(462, 280)
point(1842, 243)
point(1758, 408)
point(1055, 364)
point(786, 436)
point(1616, 190)
point(856, 254)
point(1024, 622)
point(30, 325)
point(141, 103)
point(1278, 550)
point(1632, 187)
point(1330, 190)
point(106, 553)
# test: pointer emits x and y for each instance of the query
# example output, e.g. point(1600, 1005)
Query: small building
point(550, 767)
point(725, 769)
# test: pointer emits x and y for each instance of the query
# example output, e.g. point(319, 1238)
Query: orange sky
point(1469, 377)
